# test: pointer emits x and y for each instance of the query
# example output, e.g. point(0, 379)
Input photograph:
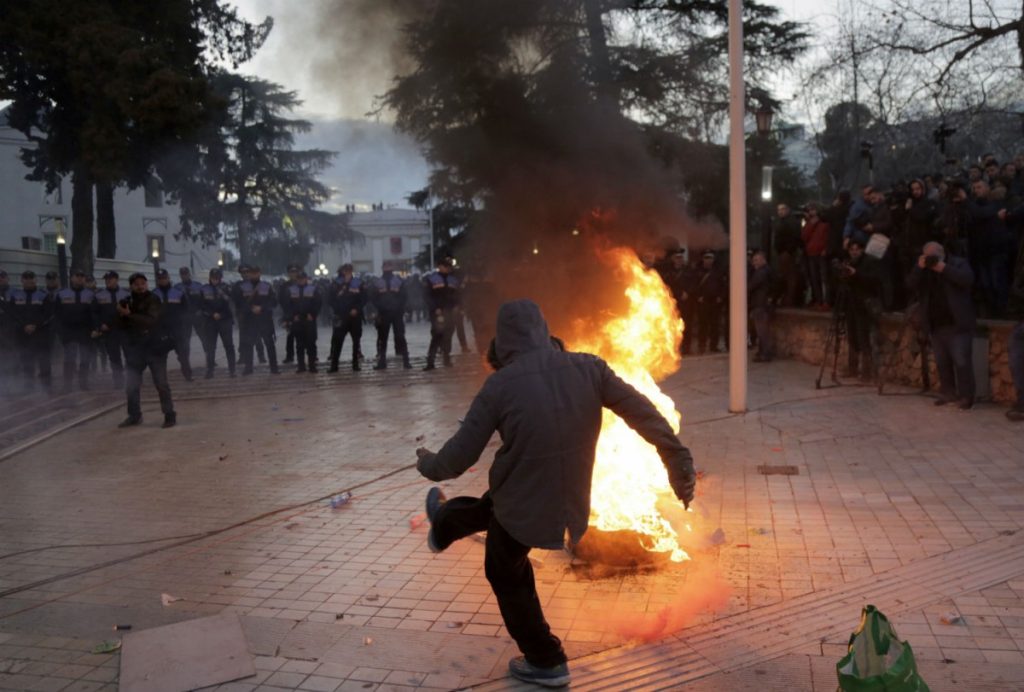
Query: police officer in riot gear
point(283, 300)
point(174, 318)
point(32, 313)
point(347, 299)
point(75, 311)
point(304, 302)
point(193, 291)
point(388, 297)
point(442, 299)
point(107, 299)
point(255, 300)
point(218, 321)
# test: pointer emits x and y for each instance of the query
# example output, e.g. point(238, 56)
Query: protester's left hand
point(422, 456)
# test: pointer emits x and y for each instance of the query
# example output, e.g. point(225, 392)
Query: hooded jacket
point(546, 405)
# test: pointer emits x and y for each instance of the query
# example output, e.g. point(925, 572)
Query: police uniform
point(217, 301)
point(255, 329)
point(75, 312)
point(302, 311)
point(282, 300)
point(389, 299)
point(443, 299)
point(33, 310)
point(347, 299)
point(193, 291)
point(8, 359)
point(174, 320)
point(106, 323)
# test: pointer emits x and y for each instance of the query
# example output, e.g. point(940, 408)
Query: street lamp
point(62, 254)
point(220, 259)
point(764, 116)
point(156, 262)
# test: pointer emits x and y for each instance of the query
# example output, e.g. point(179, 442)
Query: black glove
point(682, 477)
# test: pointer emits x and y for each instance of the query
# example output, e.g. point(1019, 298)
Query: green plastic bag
point(878, 661)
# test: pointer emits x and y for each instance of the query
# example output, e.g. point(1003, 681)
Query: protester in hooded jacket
point(546, 405)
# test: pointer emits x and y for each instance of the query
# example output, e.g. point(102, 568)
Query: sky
point(375, 164)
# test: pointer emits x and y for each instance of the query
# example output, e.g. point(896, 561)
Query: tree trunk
point(81, 220)
point(106, 233)
point(599, 51)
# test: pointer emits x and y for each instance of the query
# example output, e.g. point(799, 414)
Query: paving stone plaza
point(892, 501)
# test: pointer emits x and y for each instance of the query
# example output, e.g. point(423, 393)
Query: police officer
point(388, 297)
point(255, 301)
point(107, 299)
point(32, 312)
point(304, 302)
point(347, 299)
point(283, 299)
point(217, 321)
point(174, 317)
point(7, 359)
point(710, 289)
point(139, 320)
point(193, 291)
point(442, 299)
point(52, 285)
point(75, 316)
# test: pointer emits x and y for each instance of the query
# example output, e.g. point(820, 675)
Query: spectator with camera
point(815, 236)
point(861, 282)
point(944, 284)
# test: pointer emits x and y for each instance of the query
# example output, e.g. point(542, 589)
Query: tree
point(544, 110)
point(245, 178)
point(102, 87)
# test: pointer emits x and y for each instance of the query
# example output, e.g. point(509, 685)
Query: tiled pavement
point(895, 501)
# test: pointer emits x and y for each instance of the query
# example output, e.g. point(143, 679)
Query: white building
point(398, 235)
point(31, 218)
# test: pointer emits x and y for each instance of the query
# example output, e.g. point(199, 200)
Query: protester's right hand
point(683, 479)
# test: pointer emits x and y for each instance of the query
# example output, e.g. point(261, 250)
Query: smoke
point(705, 591)
point(515, 108)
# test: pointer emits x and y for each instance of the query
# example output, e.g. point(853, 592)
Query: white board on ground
point(185, 655)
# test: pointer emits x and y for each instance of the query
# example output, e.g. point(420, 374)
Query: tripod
point(834, 337)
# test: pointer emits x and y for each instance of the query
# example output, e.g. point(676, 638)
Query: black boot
point(382, 364)
point(355, 365)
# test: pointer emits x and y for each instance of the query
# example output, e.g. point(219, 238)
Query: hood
point(521, 328)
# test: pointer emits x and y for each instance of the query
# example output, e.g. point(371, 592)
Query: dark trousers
point(35, 354)
point(386, 321)
point(688, 311)
point(221, 329)
point(1016, 355)
point(353, 327)
point(789, 272)
point(993, 276)
point(289, 347)
point(863, 337)
point(157, 365)
point(460, 329)
point(183, 347)
point(817, 273)
point(953, 361)
point(77, 355)
point(113, 346)
point(763, 327)
point(257, 334)
point(441, 329)
point(305, 342)
point(509, 572)
point(709, 316)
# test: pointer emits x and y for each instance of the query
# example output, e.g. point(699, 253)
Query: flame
point(642, 346)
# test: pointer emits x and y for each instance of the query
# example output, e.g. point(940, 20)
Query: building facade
point(32, 219)
point(399, 235)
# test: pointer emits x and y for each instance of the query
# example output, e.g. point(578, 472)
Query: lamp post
point(737, 216)
point(62, 254)
point(764, 116)
point(155, 255)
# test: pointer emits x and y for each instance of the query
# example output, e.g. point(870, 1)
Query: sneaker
point(556, 676)
point(129, 422)
point(170, 421)
point(1016, 414)
point(381, 365)
point(435, 499)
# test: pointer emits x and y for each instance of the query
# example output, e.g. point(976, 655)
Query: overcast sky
point(374, 163)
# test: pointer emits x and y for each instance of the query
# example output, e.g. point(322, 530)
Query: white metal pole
point(737, 216)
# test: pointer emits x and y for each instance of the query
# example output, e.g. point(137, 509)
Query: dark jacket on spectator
point(760, 288)
point(955, 282)
point(986, 233)
point(547, 406)
point(787, 234)
point(921, 220)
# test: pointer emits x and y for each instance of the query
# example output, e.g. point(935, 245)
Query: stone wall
point(801, 334)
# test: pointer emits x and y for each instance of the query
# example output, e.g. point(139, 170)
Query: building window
point(50, 242)
point(56, 196)
point(155, 243)
point(30, 243)
point(396, 246)
point(154, 190)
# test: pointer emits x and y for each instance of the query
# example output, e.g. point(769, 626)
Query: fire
point(642, 346)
